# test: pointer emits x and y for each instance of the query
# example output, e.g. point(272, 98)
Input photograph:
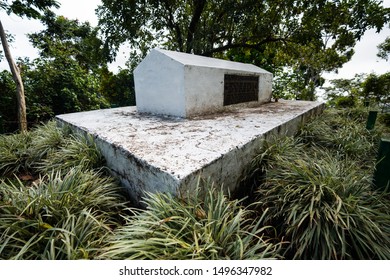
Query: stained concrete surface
point(153, 153)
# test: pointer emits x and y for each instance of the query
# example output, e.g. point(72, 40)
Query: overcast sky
point(364, 60)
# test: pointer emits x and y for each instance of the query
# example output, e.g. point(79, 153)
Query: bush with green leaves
point(47, 148)
point(60, 216)
point(318, 191)
point(204, 225)
point(14, 153)
point(66, 207)
point(344, 132)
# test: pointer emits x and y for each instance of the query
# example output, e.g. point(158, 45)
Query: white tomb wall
point(159, 86)
point(203, 95)
point(185, 85)
point(265, 87)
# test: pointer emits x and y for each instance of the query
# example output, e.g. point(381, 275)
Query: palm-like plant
point(344, 133)
point(77, 150)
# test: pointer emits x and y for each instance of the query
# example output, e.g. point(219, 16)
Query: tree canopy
point(384, 49)
point(309, 37)
point(69, 39)
point(28, 8)
point(370, 88)
point(296, 40)
point(213, 27)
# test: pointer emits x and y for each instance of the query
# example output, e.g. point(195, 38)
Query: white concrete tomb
point(153, 153)
point(195, 117)
point(186, 85)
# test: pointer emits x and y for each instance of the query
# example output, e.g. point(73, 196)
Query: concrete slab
point(155, 153)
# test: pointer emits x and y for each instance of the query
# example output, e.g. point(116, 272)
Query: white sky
point(364, 60)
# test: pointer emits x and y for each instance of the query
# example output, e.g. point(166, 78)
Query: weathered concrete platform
point(166, 154)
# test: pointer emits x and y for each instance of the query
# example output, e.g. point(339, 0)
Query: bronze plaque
point(240, 89)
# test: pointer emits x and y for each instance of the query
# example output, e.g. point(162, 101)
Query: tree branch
point(231, 45)
point(174, 26)
point(198, 9)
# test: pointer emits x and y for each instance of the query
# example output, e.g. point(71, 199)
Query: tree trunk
point(22, 118)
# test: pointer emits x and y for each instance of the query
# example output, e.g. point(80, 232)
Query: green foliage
point(291, 83)
point(346, 102)
point(385, 119)
point(77, 151)
point(60, 208)
point(206, 225)
point(318, 191)
point(306, 37)
point(61, 216)
point(344, 132)
point(314, 200)
point(66, 78)
point(384, 49)
point(28, 8)
point(70, 40)
point(46, 139)
point(373, 88)
point(70, 75)
point(14, 153)
point(118, 88)
point(8, 103)
point(345, 93)
point(207, 27)
point(377, 88)
point(325, 208)
point(60, 86)
point(47, 148)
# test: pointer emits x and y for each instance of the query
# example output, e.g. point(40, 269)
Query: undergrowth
point(56, 200)
point(312, 199)
point(204, 225)
point(318, 190)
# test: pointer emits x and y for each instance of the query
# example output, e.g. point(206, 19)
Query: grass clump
point(47, 148)
point(56, 201)
point(45, 140)
point(14, 153)
point(63, 216)
point(80, 151)
point(317, 188)
point(203, 226)
point(344, 133)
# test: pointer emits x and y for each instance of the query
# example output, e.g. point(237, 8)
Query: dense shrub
point(205, 225)
point(47, 148)
point(318, 191)
point(60, 216)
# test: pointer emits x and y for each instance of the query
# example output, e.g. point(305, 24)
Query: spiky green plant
point(78, 150)
point(45, 140)
point(47, 148)
point(63, 216)
point(344, 133)
point(322, 204)
point(201, 226)
point(14, 153)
